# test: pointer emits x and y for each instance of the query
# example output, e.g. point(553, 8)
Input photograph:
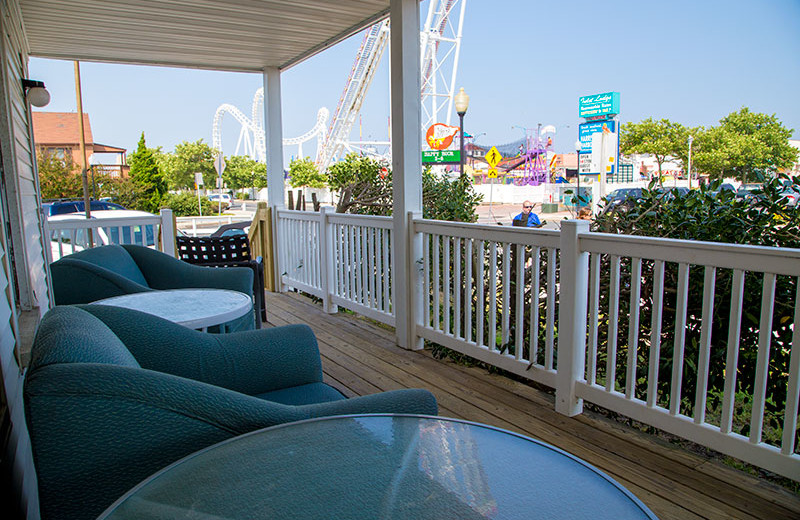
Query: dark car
point(62, 207)
point(621, 199)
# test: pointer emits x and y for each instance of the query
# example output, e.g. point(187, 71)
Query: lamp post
point(689, 168)
point(461, 102)
point(578, 175)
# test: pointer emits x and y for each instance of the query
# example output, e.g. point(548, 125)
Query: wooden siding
point(20, 204)
point(360, 358)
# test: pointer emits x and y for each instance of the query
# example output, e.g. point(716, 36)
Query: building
point(58, 133)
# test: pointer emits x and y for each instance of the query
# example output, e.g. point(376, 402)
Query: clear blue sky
point(522, 62)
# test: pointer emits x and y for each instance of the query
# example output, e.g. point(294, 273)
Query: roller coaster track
point(253, 126)
point(440, 45)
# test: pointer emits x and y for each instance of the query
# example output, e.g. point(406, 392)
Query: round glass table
point(379, 466)
point(192, 308)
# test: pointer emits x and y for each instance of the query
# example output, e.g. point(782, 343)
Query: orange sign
point(439, 136)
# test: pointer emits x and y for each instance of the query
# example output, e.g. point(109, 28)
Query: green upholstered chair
point(113, 395)
point(107, 271)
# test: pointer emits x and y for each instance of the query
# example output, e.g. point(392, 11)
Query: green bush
point(764, 219)
point(185, 204)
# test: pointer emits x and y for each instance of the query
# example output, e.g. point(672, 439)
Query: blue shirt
point(533, 219)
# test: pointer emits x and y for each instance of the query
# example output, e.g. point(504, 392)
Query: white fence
point(606, 318)
point(76, 234)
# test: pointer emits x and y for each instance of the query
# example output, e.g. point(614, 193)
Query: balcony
point(360, 357)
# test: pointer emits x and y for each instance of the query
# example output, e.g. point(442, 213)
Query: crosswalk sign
point(493, 157)
point(492, 173)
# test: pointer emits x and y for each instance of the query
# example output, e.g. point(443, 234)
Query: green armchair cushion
point(100, 421)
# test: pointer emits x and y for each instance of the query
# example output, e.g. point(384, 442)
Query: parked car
point(791, 194)
point(63, 207)
point(748, 190)
point(226, 199)
point(235, 228)
point(621, 199)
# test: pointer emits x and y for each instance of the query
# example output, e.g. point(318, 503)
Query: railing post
point(572, 317)
point(414, 277)
point(326, 252)
point(167, 232)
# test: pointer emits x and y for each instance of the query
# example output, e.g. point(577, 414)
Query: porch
point(360, 358)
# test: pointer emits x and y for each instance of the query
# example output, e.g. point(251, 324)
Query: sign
point(586, 130)
point(493, 157)
point(606, 104)
point(219, 164)
point(198, 178)
point(440, 136)
point(584, 163)
point(441, 157)
point(492, 173)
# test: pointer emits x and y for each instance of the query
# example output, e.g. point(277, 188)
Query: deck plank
point(360, 358)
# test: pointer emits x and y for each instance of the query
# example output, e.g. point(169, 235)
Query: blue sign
point(599, 105)
point(585, 131)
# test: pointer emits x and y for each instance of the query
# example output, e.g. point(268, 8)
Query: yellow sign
point(492, 173)
point(493, 157)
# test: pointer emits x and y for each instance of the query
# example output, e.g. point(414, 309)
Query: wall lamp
point(37, 95)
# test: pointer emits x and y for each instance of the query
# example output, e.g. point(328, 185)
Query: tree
point(663, 139)
point(147, 178)
point(747, 146)
point(364, 185)
point(303, 172)
point(58, 178)
point(243, 172)
point(445, 199)
point(188, 159)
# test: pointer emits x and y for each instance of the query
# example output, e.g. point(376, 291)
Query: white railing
point(602, 318)
point(68, 236)
point(343, 259)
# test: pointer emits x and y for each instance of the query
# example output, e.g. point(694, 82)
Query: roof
point(243, 35)
point(60, 128)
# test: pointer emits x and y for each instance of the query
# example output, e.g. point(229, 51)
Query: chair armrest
point(251, 362)
point(409, 401)
point(76, 281)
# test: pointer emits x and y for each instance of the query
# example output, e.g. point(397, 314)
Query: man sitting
point(528, 216)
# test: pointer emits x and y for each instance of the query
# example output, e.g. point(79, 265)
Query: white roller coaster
point(440, 42)
point(251, 136)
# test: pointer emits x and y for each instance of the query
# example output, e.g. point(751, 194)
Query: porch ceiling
point(240, 35)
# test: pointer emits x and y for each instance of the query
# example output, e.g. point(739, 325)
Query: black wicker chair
point(226, 251)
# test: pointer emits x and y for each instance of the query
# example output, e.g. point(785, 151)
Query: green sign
point(599, 105)
point(441, 156)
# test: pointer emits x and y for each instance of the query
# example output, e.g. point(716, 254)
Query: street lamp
point(689, 173)
point(578, 172)
point(461, 102)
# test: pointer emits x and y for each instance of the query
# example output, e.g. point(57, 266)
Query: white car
point(224, 197)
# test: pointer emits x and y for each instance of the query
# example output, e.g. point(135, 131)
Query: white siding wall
point(27, 267)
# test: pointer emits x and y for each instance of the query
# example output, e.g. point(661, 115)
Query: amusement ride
point(440, 42)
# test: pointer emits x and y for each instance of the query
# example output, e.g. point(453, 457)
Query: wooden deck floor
point(360, 358)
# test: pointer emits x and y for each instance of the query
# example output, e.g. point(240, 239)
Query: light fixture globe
point(461, 102)
point(578, 146)
point(35, 92)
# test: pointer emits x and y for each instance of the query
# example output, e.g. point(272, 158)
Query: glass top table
point(192, 308)
point(379, 466)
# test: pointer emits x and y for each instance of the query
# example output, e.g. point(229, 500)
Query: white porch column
point(406, 161)
point(273, 127)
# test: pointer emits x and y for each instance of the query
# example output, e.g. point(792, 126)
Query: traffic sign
point(492, 173)
point(493, 157)
point(219, 164)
